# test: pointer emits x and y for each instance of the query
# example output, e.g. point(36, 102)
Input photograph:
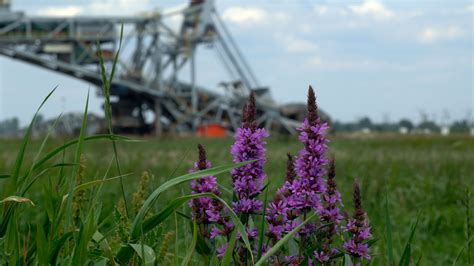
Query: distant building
point(445, 130)
point(403, 130)
point(365, 130)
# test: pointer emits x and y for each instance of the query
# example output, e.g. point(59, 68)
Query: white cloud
point(96, 7)
point(321, 9)
point(373, 9)
point(431, 35)
point(254, 16)
point(296, 45)
point(68, 11)
point(329, 10)
point(470, 8)
point(351, 64)
point(245, 15)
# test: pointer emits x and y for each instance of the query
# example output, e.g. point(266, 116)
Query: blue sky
point(383, 59)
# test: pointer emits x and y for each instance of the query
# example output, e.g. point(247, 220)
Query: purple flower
point(279, 214)
point(249, 145)
point(312, 158)
point(359, 229)
point(321, 256)
point(204, 210)
point(304, 193)
point(359, 250)
point(329, 213)
point(275, 231)
point(221, 251)
point(227, 228)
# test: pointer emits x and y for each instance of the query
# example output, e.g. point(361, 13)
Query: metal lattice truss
point(149, 76)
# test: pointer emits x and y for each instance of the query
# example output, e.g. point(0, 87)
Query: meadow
point(403, 176)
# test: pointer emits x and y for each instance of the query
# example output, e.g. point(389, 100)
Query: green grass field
point(420, 175)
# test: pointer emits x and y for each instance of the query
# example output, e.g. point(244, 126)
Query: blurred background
point(375, 65)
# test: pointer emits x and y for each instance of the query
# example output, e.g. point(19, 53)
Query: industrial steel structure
point(149, 77)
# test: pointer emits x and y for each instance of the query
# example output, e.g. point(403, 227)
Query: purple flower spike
point(312, 159)
point(305, 192)
point(359, 229)
point(249, 145)
point(205, 210)
point(329, 214)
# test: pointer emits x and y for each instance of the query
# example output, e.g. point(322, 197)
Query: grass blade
point(93, 183)
point(388, 226)
point(104, 245)
point(57, 246)
point(281, 242)
point(77, 158)
point(146, 253)
point(61, 148)
point(108, 107)
point(227, 259)
point(154, 221)
point(192, 248)
point(262, 225)
point(17, 199)
point(21, 154)
point(176, 181)
point(405, 259)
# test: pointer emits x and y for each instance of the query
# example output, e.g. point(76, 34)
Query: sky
point(383, 59)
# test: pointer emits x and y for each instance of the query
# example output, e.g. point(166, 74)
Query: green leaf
point(40, 150)
point(173, 182)
point(156, 220)
point(84, 237)
point(57, 246)
point(61, 148)
point(146, 253)
point(192, 248)
point(227, 259)
point(465, 246)
point(93, 183)
point(75, 169)
point(405, 259)
point(262, 225)
point(202, 247)
point(17, 199)
point(41, 245)
point(4, 176)
point(21, 154)
point(347, 260)
point(282, 241)
point(108, 107)
point(104, 245)
point(388, 226)
point(419, 260)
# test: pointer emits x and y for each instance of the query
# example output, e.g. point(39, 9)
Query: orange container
point(211, 131)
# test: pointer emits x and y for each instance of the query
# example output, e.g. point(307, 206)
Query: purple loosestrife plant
point(330, 214)
point(279, 215)
point(305, 189)
point(358, 228)
point(304, 193)
point(205, 210)
point(248, 180)
point(312, 158)
point(249, 145)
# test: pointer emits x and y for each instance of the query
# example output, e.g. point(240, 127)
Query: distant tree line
point(11, 127)
point(365, 124)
